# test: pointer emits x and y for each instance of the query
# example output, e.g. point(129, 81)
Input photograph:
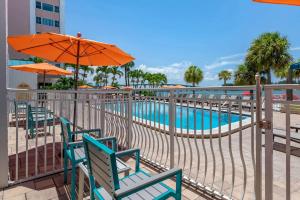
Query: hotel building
point(29, 17)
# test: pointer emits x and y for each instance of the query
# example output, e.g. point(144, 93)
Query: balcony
point(210, 133)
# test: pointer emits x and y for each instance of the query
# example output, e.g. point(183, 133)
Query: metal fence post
point(171, 127)
point(269, 144)
point(129, 121)
point(3, 96)
point(258, 161)
point(102, 114)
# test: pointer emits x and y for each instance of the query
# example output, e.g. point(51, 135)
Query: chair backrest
point(102, 165)
point(65, 131)
point(31, 122)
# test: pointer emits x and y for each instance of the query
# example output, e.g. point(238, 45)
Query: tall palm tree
point(115, 71)
point(127, 68)
point(193, 75)
point(244, 75)
point(225, 75)
point(160, 79)
point(105, 70)
point(136, 75)
point(99, 79)
point(86, 70)
point(269, 52)
point(283, 72)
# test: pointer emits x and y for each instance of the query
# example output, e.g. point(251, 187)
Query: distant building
point(29, 17)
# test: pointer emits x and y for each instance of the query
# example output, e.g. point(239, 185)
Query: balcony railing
point(210, 133)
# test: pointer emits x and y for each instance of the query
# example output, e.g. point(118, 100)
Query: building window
point(48, 7)
point(48, 22)
point(38, 4)
point(38, 20)
point(56, 9)
point(56, 23)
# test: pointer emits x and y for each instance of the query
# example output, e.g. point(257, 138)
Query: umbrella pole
point(44, 79)
point(75, 82)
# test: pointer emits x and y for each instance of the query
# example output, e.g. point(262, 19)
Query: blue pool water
point(185, 117)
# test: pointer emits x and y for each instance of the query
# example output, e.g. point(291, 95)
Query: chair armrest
point(129, 152)
point(113, 141)
point(75, 144)
point(88, 132)
point(80, 143)
point(126, 191)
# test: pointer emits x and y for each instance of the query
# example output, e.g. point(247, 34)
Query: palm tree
point(193, 75)
point(86, 70)
point(160, 79)
point(145, 78)
point(127, 68)
point(269, 52)
point(136, 76)
point(115, 71)
point(225, 75)
point(105, 70)
point(244, 75)
point(36, 59)
point(283, 72)
point(99, 79)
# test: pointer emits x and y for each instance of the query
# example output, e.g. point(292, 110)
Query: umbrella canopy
point(173, 86)
point(41, 68)
point(85, 87)
point(69, 49)
point(246, 93)
point(287, 2)
point(109, 87)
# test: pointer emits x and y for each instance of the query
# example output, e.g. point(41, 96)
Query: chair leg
point(65, 167)
point(73, 181)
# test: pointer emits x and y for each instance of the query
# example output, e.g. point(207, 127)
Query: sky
point(167, 36)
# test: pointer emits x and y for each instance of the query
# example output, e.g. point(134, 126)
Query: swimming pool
point(186, 117)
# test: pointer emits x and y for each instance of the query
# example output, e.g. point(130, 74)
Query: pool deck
point(155, 140)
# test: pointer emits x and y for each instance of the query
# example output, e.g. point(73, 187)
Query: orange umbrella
point(109, 87)
point(85, 87)
point(288, 2)
point(41, 68)
point(173, 86)
point(69, 49)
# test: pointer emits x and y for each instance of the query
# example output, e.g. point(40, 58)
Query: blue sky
point(167, 35)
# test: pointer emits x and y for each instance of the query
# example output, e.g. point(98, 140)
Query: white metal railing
point(282, 144)
point(210, 133)
point(35, 149)
point(204, 135)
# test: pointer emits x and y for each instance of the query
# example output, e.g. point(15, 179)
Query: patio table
point(83, 171)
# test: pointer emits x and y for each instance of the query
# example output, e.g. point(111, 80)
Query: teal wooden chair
point(74, 150)
point(102, 167)
point(37, 118)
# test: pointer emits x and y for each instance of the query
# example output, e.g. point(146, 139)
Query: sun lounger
point(233, 99)
point(220, 100)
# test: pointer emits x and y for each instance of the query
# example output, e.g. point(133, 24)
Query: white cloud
point(234, 59)
point(237, 55)
point(295, 49)
point(219, 63)
point(173, 71)
point(208, 76)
